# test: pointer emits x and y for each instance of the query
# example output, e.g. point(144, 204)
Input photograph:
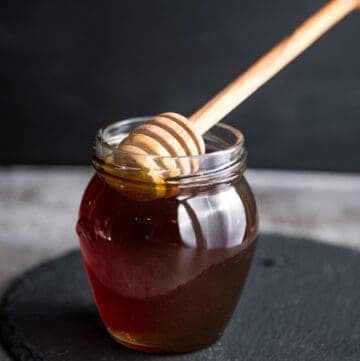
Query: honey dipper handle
point(271, 63)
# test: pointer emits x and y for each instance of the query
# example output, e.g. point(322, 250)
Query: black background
point(70, 67)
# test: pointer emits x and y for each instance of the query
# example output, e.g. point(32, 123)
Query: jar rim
point(105, 132)
point(225, 159)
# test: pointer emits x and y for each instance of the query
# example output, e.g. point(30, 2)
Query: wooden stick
point(271, 63)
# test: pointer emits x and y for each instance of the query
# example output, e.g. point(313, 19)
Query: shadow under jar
point(167, 262)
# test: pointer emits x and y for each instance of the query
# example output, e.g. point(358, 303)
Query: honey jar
point(167, 256)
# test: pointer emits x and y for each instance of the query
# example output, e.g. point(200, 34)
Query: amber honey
point(166, 273)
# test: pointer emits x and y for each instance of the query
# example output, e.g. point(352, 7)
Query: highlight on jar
point(168, 223)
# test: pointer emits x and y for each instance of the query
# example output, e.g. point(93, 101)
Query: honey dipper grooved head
point(166, 135)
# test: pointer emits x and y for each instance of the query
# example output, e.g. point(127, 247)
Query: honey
point(166, 272)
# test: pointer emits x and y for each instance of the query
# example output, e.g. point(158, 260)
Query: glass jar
point(167, 261)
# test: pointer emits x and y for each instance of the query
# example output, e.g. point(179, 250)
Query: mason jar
point(167, 257)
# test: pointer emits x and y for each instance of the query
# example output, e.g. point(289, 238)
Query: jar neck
point(228, 173)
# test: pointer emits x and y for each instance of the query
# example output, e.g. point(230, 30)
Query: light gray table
point(38, 209)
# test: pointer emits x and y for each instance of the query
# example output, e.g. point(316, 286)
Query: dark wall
point(69, 67)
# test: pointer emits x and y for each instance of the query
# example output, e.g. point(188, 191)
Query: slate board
point(301, 302)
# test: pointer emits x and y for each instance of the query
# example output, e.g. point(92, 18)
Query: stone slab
point(300, 303)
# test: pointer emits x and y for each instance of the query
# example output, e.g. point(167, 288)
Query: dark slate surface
point(301, 303)
point(69, 67)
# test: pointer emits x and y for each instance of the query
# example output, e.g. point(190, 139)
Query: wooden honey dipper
point(173, 135)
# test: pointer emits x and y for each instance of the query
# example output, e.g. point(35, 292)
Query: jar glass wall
point(167, 262)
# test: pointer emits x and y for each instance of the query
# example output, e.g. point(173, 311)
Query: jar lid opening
point(224, 149)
